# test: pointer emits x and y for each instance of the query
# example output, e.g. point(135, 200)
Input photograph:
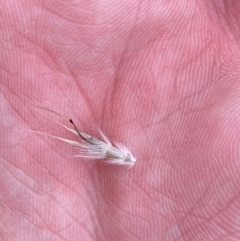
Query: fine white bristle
point(93, 148)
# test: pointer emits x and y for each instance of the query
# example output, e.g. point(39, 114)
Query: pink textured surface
point(162, 77)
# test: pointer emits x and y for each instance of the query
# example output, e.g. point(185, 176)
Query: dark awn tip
point(71, 121)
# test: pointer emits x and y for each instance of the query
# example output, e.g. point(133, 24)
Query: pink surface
point(162, 77)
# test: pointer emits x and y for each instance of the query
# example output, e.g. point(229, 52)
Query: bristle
point(90, 147)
